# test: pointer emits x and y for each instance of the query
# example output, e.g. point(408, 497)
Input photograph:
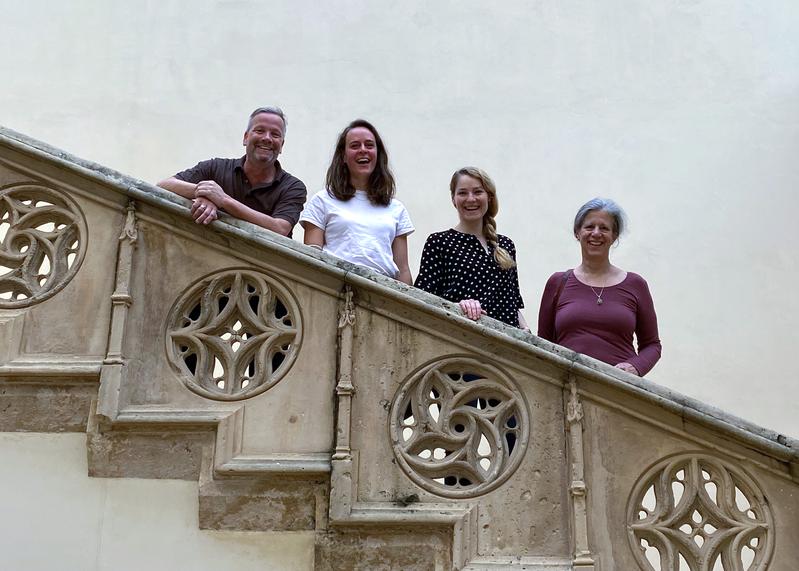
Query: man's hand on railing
point(203, 210)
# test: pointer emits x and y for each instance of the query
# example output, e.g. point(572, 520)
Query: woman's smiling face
point(360, 154)
point(597, 234)
point(470, 199)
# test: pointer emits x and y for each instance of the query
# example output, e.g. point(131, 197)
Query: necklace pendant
point(598, 295)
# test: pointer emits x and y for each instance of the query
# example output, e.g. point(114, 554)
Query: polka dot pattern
point(455, 266)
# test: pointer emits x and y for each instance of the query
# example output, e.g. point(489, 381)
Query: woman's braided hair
point(501, 255)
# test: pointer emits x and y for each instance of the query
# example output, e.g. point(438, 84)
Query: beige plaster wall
point(686, 112)
point(90, 524)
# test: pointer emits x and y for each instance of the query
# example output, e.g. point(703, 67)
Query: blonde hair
point(501, 255)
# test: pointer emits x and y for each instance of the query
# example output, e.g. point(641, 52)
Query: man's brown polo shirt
point(282, 198)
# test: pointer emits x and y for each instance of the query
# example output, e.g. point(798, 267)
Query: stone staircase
point(307, 394)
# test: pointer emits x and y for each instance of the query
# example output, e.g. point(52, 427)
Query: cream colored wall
point(89, 524)
point(686, 112)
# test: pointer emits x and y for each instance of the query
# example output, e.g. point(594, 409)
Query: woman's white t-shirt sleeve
point(404, 224)
point(315, 211)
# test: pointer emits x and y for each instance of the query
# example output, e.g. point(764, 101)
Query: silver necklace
point(598, 295)
point(599, 300)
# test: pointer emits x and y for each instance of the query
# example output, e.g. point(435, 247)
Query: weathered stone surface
point(261, 504)
point(386, 550)
point(620, 449)
point(154, 454)
point(52, 405)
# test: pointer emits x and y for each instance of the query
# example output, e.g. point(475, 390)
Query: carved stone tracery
point(233, 334)
point(42, 243)
point(459, 427)
point(696, 512)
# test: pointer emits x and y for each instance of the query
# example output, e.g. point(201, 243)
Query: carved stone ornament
point(42, 243)
point(459, 427)
point(697, 512)
point(233, 335)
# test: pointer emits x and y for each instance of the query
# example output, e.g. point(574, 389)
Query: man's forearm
point(239, 210)
point(181, 187)
point(228, 204)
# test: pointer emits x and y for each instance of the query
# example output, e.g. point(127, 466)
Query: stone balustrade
point(304, 393)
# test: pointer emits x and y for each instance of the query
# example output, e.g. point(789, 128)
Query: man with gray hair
point(254, 187)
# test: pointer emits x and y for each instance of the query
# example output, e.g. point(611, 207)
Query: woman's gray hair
point(605, 205)
point(274, 111)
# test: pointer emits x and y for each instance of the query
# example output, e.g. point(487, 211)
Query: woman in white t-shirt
point(356, 218)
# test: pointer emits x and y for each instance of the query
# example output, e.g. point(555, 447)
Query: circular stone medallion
point(42, 243)
point(700, 511)
point(459, 427)
point(233, 335)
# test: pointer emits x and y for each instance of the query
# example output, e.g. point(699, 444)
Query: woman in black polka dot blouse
point(471, 264)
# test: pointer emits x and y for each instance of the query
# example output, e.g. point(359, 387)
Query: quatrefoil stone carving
point(42, 243)
point(698, 512)
point(459, 427)
point(233, 335)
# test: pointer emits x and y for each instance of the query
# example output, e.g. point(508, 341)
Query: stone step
point(521, 564)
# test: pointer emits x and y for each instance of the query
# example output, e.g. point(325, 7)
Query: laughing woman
point(471, 264)
point(596, 308)
point(356, 218)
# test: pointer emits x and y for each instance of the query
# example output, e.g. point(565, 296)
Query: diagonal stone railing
point(305, 393)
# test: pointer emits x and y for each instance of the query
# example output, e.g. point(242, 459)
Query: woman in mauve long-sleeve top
point(596, 308)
